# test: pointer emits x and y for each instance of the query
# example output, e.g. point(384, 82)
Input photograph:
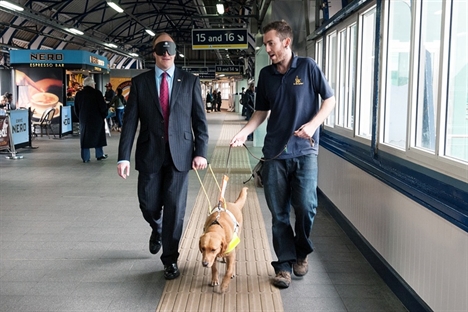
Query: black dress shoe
point(102, 157)
point(155, 243)
point(171, 271)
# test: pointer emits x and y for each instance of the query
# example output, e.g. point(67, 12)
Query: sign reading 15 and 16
point(206, 39)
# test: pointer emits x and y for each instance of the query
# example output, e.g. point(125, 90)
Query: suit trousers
point(163, 200)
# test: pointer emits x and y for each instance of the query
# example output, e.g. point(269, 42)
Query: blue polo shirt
point(293, 99)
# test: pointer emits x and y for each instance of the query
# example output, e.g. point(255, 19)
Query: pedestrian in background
point(119, 102)
point(91, 110)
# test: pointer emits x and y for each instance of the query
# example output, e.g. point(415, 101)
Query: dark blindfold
point(165, 46)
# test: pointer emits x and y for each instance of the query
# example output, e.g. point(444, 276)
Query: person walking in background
point(218, 101)
point(241, 101)
point(109, 94)
point(91, 110)
point(215, 100)
point(167, 104)
point(209, 102)
point(249, 101)
point(288, 95)
point(111, 115)
point(118, 102)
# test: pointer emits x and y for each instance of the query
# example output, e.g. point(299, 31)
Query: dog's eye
point(213, 250)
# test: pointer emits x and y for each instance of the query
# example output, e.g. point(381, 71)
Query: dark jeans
point(86, 153)
point(291, 183)
point(120, 115)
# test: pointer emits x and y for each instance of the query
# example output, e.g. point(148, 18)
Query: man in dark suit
point(167, 147)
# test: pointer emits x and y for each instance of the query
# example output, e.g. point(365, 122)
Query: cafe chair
point(45, 122)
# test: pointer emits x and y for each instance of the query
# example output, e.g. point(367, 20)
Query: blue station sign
point(212, 39)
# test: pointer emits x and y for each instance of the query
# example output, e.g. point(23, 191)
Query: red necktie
point(164, 101)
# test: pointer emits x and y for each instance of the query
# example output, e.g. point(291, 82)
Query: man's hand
point(199, 163)
point(123, 169)
point(238, 140)
point(306, 131)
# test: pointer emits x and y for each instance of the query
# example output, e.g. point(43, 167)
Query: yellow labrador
point(220, 237)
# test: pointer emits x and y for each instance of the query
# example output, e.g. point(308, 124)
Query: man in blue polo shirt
point(288, 95)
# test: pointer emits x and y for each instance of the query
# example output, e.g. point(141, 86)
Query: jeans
point(86, 154)
point(120, 115)
point(291, 183)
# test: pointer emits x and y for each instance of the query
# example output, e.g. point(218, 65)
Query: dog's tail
point(242, 197)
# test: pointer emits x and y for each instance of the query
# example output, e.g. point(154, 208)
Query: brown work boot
point(282, 279)
point(301, 267)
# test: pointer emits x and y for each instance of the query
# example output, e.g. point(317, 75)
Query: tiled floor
point(72, 238)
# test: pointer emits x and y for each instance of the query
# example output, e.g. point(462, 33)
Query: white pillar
point(261, 60)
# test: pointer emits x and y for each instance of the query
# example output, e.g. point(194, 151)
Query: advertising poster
point(4, 135)
point(19, 119)
point(40, 89)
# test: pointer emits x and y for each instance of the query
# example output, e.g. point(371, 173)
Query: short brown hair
point(282, 29)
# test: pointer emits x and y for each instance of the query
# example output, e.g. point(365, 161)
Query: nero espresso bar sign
point(212, 39)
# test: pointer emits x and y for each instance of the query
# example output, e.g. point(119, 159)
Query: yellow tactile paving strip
point(250, 290)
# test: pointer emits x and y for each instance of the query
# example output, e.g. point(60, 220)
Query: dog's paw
point(224, 287)
point(214, 283)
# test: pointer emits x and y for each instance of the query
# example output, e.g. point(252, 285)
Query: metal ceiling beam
point(32, 15)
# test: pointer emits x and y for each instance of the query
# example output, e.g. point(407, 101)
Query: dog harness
point(235, 237)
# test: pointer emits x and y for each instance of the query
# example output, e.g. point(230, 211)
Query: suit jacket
point(188, 131)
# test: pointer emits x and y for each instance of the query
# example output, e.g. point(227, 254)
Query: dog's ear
point(223, 246)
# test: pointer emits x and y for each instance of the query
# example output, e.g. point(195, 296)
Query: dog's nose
point(205, 264)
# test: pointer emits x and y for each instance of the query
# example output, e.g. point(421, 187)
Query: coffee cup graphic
point(43, 101)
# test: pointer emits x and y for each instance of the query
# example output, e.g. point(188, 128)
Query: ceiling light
point(220, 8)
point(75, 31)
point(115, 6)
point(11, 6)
point(150, 32)
point(181, 55)
point(134, 54)
point(110, 45)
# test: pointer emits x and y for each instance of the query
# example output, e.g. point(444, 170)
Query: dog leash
point(311, 140)
point(203, 187)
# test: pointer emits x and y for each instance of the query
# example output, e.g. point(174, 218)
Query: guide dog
point(220, 237)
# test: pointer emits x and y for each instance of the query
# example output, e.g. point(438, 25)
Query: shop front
point(45, 80)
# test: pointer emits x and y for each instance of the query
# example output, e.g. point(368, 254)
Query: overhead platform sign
point(202, 72)
point(229, 69)
point(212, 39)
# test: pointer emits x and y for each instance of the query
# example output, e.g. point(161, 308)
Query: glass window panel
point(428, 74)
point(351, 96)
point(456, 128)
point(366, 85)
point(341, 92)
point(318, 53)
point(396, 80)
point(331, 71)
